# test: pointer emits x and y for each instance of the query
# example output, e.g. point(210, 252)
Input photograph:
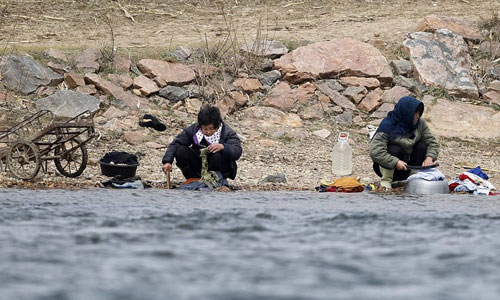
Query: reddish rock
point(87, 89)
point(121, 64)
point(135, 137)
point(323, 98)
point(249, 85)
point(281, 96)
point(166, 72)
point(492, 97)
point(145, 85)
point(360, 81)
point(372, 101)
point(89, 61)
point(355, 93)
point(192, 105)
point(226, 106)
point(73, 80)
point(239, 98)
point(335, 96)
point(313, 112)
point(393, 95)
point(461, 27)
point(117, 92)
point(124, 80)
point(339, 56)
point(305, 92)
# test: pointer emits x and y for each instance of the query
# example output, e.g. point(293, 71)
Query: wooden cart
point(29, 145)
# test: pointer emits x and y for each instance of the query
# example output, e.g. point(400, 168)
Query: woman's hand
point(215, 148)
point(427, 162)
point(401, 166)
point(167, 167)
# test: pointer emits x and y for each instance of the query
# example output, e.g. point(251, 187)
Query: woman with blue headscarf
point(402, 139)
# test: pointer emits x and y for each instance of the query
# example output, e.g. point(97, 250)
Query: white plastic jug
point(342, 156)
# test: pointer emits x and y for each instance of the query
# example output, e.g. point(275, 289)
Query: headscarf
point(399, 121)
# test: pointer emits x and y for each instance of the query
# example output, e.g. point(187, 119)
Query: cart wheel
point(23, 160)
point(71, 164)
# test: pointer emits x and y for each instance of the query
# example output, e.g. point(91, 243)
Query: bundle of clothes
point(344, 185)
point(473, 181)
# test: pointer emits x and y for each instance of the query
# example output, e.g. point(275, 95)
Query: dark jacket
point(232, 144)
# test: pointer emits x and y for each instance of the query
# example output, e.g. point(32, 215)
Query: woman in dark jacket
point(402, 139)
point(211, 132)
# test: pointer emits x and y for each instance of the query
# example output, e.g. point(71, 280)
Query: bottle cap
point(343, 136)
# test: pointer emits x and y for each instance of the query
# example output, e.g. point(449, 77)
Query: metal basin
point(425, 187)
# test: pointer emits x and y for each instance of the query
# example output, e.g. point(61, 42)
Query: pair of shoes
point(152, 122)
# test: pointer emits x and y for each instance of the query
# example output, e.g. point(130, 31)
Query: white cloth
point(213, 139)
point(431, 174)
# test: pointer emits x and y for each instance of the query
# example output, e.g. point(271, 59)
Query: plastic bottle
point(342, 155)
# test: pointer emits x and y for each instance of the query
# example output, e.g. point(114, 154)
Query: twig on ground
point(290, 4)
point(55, 18)
point(127, 14)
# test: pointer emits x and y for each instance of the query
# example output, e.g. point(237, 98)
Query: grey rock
point(277, 178)
point(494, 72)
point(182, 53)
point(174, 93)
point(25, 74)
point(333, 84)
point(355, 93)
point(266, 65)
point(345, 117)
point(269, 78)
point(401, 67)
point(442, 60)
point(265, 48)
point(68, 103)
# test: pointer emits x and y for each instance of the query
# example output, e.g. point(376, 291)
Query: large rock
point(24, 74)
point(345, 56)
point(166, 72)
point(372, 101)
point(117, 92)
point(461, 27)
point(441, 59)
point(265, 48)
point(145, 85)
point(68, 103)
point(461, 120)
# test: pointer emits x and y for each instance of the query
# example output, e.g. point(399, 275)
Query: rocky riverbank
point(287, 105)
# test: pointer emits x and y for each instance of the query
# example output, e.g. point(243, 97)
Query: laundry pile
point(344, 185)
point(473, 181)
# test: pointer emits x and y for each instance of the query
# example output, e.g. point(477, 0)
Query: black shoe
point(152, 122)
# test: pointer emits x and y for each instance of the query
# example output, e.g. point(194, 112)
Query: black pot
point(111, 170)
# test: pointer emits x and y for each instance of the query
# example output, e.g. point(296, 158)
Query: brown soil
point(33, 25)
point(70, 24)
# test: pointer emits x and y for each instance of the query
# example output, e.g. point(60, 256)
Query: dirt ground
point(142, 26)
point(167, 24)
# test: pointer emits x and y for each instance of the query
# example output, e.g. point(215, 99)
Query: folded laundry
point(428, 174)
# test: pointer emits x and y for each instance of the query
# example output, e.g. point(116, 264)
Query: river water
point(158, 244)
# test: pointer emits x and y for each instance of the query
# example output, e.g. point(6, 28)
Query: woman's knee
point(397, 151)
point(420, 147)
